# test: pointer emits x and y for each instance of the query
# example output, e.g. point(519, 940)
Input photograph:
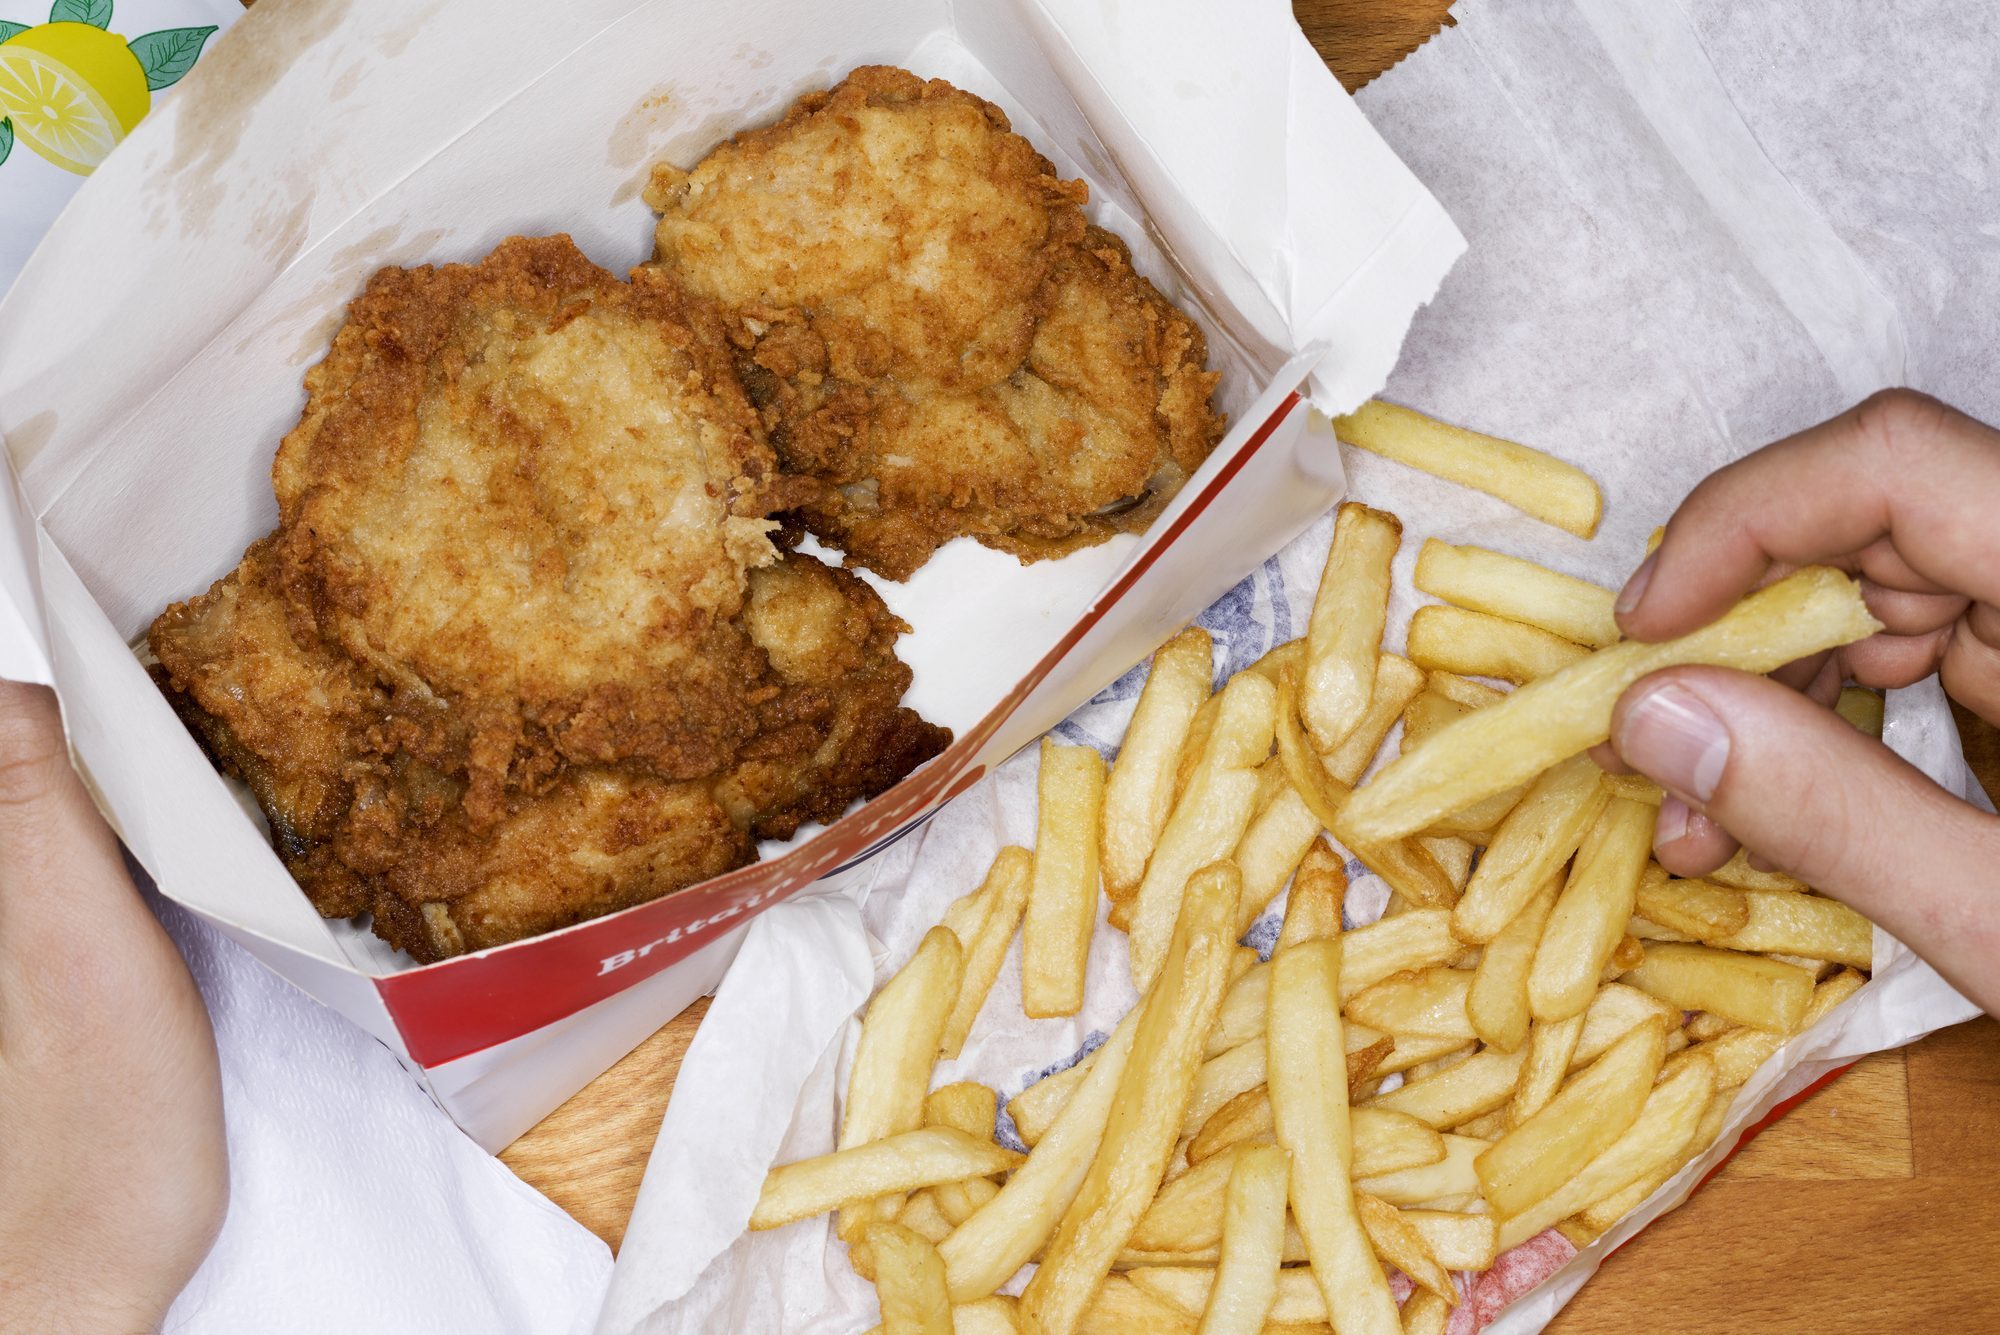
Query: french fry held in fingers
point(886, 1166)
point(984, 942)
point(1253, 1242)
point(1507, 586)
point(1062, 902)
point(909, 1281)
point(1554, 717)
point(1444, 638)
point(1749, 989)
point(1145, 1116)
point(1209, 820)
point(1344, 636)
point(1861, 707)
point(1139, 793)
point(900, 1035)
point(1587, 924)
point(1308, 1090)
point(1532, 482)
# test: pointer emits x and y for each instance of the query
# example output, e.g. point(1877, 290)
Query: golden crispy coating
point(534, 491)
point(520, 652)
point(929, 326)
point(368, 818)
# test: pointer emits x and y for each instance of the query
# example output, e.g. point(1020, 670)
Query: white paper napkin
point(355, 1205)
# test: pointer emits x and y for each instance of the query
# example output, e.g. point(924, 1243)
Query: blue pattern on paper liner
point(1004, 1129)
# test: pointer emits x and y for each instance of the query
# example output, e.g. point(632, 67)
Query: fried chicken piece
point(368, 819)
point(917, 342)
point(535, 492)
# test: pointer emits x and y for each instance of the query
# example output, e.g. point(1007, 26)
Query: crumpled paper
point(354, 1203)
point(1693, 229)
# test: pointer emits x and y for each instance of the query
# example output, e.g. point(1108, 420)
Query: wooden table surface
point(1874, 1206)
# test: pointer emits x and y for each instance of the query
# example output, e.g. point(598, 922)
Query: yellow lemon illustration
point(72, 91)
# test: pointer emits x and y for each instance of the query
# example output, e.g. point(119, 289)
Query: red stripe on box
point(453, 1009)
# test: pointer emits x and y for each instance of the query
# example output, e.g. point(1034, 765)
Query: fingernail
point(1673, 822)
point(1671, 736)
point(1635, 587)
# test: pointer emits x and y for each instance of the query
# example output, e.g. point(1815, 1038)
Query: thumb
point(1832, 806)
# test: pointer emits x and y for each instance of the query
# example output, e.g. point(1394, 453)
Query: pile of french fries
point(1540, 1030)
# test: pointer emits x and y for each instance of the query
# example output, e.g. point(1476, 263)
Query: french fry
point(900, 1035)
point(1583, 1119)
point(1634, 787)
point(1463, 691)
point(1507, 586)
point(984, 946)
point(1665, 1124)
point(1295, 1298)
point(1694, 908)
point(1748, 989)
point(988, 1316)
point(1384, 1142)
point(1739, 873)
point(1737, 1053)
point(1417, 939)
point(1487, 1126)
point(1120, 1307)
point(1613, 1011)
point(1308, 1090)
point(1195, 749)
point(1426, 1314)
point(999, 1238)
point(1645, 929)
point(1397, 682)
point(1459, 1241)
point(922, 1215)
point(1397, 1241)
point(886, 1166)
point(1453, 1175)
point(1404, 864)
point(1551, 1048)
point(965, 1105)
point(1145, 1116)
point(1280, 659)
point(1588, 921)
point(1861, 707)
point(1453, 854)
point(909, 1280)
point(1186, 1214)
point(1062, 903)
point(1444, 638)
point(1035, 1109)
point(1527, 479)
point(1493, 749)
point(1496, 1005)
point(1781, 923)
point(1538, 836)
point(1479, 1084)
point(1344, 637)
point(1139, 794)
point(1221, 1079)
point(1430, 1002)
point(1209, 821)
point(959, 1201)
point(1270, 851)
point(1253, 1241)
point(1702, 1026)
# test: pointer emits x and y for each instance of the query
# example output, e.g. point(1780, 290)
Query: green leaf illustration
point(9, 29)
point(168, 54)
point(97, 13)
point(6, 139)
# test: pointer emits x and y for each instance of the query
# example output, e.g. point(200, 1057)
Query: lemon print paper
point(70, 88)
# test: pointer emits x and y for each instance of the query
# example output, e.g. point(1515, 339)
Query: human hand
point(113, 1170)
point(1904, 493)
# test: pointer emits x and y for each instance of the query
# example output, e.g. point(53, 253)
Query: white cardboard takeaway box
point(151, 356)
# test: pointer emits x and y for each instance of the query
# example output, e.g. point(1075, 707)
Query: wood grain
point(1871, 1207)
